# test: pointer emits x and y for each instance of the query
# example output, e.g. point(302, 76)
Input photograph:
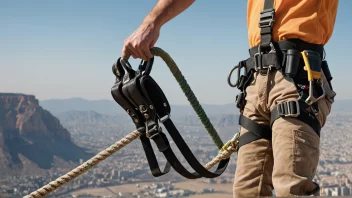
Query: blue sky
point(64, 49)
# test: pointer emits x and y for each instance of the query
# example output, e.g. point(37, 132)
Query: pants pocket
point(305, 153)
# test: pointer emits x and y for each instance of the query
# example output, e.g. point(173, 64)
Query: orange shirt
point(309, 20)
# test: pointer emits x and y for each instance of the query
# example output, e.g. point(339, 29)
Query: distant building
point(328, 192)
point(345, 191)
point(114, 174)
point(336, 191)
point(125, 174)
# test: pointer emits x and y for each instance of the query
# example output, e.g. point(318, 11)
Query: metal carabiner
point(239, 68)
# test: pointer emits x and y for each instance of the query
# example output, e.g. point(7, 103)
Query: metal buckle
point(257, 62)
point(267, 18)
point(290, 111)
point(258, 58)
point(164, 118)
point(153, 131)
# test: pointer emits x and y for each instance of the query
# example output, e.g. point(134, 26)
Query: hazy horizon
point(65, 49)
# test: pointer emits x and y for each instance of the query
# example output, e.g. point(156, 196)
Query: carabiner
point(239, 67)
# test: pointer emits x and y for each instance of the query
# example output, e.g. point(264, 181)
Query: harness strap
point(293, 43)
point(284, 56)
point(151, 158)
point(267, 19)
point(162, 143)
point(138, 91)
point(188, 155)
point(295, 109)
point(138, 120)
point(255, 131)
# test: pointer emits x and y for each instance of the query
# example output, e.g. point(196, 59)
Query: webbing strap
point(162, 143)
point(151, 158)
point(263, 59)
point(137, 90)
point(267, 18)
point(268, 4)
point(255, 131)
point(188, 155)
point(295, 109)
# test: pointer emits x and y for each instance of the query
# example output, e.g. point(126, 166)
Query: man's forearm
point(164, 10)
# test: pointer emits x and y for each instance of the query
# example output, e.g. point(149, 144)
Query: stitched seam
point(260, 186)
point(293, 155)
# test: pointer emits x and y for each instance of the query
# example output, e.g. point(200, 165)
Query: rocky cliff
point(30, 135)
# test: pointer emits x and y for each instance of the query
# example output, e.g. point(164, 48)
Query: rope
point(52, 186)
point(188, 92)
point(224, 153)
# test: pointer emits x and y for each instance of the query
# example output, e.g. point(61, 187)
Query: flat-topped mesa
point(31, 137)
point(22, 114)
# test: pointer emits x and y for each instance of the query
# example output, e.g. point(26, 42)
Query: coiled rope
point(224, 153)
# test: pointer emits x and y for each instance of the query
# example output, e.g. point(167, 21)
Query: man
point(280, 118)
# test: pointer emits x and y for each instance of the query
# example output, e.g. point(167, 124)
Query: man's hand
point(138, 45)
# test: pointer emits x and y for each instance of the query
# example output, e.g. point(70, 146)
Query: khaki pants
point(288, 162)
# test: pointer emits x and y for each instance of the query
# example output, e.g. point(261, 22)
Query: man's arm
point(139, 43)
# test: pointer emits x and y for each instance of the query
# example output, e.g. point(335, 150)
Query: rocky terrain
point(32, 140)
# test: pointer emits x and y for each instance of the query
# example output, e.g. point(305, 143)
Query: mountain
point(110, 107)
point(90, 117)
point(57, 106)
point(228, 121)
point(31, 138)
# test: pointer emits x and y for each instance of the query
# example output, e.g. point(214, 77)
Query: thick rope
point(225, 152)
point(188, 92)
point(52, 186)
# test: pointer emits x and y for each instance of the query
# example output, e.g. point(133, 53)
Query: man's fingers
point(133, 52)
point(137, 50)
point(125, 52)
point(128, 49)
point(145, 53)
point(148, 54)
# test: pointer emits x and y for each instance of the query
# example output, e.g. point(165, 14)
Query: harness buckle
point(154, 131)
point(164, 118)
point(258, 64)
point(267, 18)
point(285, 109)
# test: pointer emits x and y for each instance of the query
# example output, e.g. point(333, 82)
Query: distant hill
point(342, 106)
point(64, 107)
point(110, 107)
point(57, 106)
point(31, 138)
point(90, 117)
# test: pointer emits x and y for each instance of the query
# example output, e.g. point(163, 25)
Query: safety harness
point(144, 101)
point(299, 61)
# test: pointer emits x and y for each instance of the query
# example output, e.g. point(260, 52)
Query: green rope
point(189, 94)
